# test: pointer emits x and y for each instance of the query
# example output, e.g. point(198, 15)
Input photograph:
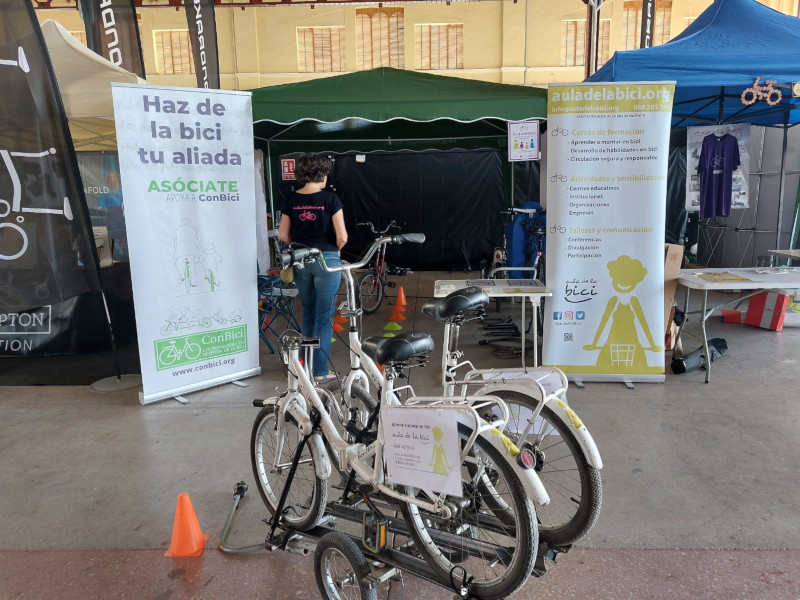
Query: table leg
point(705, 335)
point(680, 329)
point(522, 329)
point(535, 330)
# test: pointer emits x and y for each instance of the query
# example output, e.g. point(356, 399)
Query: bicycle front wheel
point(305, 503)
point(370, 292)
point(574, 486)
point(494, 542)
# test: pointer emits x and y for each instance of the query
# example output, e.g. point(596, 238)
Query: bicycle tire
point(520, 541)
point(371, 301)
point(167, 356)
point(559, 463)
point(305, 504)
point(195, 351)
point(332, 548)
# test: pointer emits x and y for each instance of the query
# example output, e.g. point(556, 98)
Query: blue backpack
point(520, 247)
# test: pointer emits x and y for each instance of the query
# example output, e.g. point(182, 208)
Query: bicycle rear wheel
point(305, 503)
point(370, 292)
point(574, 486)
point(496, 544)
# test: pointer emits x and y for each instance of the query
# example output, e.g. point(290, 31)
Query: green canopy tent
point(389, 109)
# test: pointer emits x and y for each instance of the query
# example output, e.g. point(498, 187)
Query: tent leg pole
point(783, 184)
point(269, 185)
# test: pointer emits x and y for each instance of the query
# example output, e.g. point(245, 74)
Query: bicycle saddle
point(455, 304)
point(397, 349)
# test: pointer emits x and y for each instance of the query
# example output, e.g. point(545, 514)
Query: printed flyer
point(606, 204)
point(186, 161)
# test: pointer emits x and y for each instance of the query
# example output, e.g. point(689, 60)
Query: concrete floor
point(701, 484)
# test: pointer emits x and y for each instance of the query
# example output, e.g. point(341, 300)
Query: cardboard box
point(767, 310)
point(792, 318)
point(673, 259)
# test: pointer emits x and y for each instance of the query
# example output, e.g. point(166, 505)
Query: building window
point(633, 23)
point(380, 38)
point(321, 49)
point(79, 35)
point(173, 52)
point(604, 42)
point(573, 43)
point(439, 46)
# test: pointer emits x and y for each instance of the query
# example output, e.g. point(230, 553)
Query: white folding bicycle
point(489, 531)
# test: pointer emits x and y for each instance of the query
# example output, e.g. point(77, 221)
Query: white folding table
point(748, 282)
point(527, 289)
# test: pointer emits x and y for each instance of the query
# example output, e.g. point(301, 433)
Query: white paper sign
point(421, 448)
point(523, 141)
point(186, 159)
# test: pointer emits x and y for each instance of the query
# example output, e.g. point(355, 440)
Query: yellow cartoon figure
point(622, 351)
point(439, 459)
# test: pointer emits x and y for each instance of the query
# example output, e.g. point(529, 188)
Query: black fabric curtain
point(453, 197)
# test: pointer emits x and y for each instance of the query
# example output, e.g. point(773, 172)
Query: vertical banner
point(647, 26)
point(203, 35)
point(112, 31)
point(47, 253)
point(606, 205)
point(186, 158)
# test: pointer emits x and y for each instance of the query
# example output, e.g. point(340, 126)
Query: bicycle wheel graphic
point(168, 355)
point(10, 247)
point(749, 96)
point(192, 351)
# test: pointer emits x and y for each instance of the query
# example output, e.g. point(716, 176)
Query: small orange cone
point(337, 327)
point(398, 309)
point(187, 537)
point(401, 297)
point(397, 317)
point(340, 319)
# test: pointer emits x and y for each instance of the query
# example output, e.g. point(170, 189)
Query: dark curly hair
point(312, 168)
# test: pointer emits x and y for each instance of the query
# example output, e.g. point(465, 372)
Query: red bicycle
point(371, 284)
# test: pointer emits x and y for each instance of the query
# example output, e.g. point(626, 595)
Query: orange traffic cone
point(337, 327)
point(187, 537)
point(401, 297)
point(340, 319)
point(397, 309)
point(397, 317)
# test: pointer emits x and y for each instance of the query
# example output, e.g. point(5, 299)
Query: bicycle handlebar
point(369, 224)
point(300, 256)
point(525, 211)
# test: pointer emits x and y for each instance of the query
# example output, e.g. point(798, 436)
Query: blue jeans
point(317, 290)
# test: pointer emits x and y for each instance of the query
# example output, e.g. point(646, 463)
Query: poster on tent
point(606, 203)
point(740, 180)
point(186, 160)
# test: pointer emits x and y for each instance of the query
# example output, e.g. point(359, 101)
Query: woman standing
point(313, 217)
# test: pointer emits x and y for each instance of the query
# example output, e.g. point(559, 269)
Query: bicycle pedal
point(374, 532)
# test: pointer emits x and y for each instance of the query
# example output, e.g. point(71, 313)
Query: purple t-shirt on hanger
point(719, 158)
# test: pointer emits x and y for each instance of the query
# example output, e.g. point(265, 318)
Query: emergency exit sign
point(287, 169)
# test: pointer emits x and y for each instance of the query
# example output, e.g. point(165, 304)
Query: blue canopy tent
point(715, 60)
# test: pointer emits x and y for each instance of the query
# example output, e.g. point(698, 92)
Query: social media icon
point(569, 315)
point(556, 316)
point(580, 315)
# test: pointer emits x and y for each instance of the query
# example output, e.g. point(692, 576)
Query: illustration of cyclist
point(211, 260)
point(186, 254)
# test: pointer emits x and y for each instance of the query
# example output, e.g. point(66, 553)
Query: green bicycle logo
point(172, 353)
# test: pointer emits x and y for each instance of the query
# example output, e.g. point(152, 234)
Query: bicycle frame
point(555, 399)
point(357, 457)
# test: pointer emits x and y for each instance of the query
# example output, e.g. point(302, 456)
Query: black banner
point(648, 19)
point(203, 34)
point(47, 251)
point(112, 31)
